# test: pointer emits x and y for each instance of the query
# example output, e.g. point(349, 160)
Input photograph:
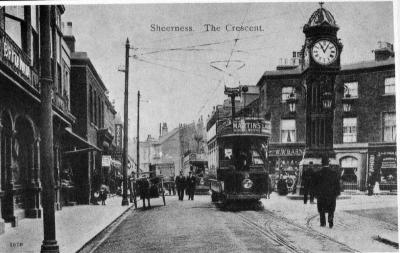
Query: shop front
point(383, 166)
point(283, 161)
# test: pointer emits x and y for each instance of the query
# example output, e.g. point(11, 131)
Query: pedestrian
point(103, 194)
point(307, 181)
point(370, 184)
point(327, 188)
point(191, 185)
point(180, 182)
point(270, 186)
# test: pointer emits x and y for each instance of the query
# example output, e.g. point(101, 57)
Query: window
point(90, 104)
point(349, 130)
point(352, 89)
point(14, 24)
point(389, 85)
point(286, 91)
point(288, 130)
point(34, 38)
point(59, 79)
point(389, 127)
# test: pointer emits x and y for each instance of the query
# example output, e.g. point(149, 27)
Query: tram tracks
point(275, 227)
point(270, 234)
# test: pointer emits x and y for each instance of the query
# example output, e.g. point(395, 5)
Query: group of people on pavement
point(325, 186)
point(185, 183)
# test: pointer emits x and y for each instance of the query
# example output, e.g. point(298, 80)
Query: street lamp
point(327, 98)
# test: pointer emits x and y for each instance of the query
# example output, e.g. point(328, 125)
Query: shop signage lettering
point(106, 161)
point(286, 152)
point(12, 57)
point(118, 136)
point(251, 126)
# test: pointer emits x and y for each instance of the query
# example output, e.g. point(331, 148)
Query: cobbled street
point(200, 226)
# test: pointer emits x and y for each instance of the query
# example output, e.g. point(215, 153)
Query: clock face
point(324, 52)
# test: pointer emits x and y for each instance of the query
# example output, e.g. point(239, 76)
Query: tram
point(241, 146)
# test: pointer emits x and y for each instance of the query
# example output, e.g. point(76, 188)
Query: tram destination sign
point(252, 125)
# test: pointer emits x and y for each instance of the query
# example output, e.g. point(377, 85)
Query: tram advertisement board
point(251, 125)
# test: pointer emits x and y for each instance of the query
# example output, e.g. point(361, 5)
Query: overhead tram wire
point(193, 47)
point(173, 68)
point(237, 37)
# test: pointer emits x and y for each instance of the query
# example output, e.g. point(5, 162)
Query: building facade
point(20, 107)
point(364, 135)
point(94, 124)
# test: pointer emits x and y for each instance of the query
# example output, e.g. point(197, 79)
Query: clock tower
point(321, 63)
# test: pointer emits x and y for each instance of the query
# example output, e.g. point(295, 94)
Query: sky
point(181, 74)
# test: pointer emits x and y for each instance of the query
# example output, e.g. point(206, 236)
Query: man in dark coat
point(307, 181)
point(191, 185)
point(327, 188)
point(180, 183)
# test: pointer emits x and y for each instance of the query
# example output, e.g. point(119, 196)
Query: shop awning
point(85, 146)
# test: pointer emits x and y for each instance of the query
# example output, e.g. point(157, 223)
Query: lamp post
point(125, 144)
point(49, 243)
point(137, 134)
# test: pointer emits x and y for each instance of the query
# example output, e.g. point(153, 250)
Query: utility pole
point(125, 201)
point(49, 243)
point(137, 134)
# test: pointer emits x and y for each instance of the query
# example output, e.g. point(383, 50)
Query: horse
point(143, 188)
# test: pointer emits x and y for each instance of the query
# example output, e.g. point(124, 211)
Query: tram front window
point(242, 157)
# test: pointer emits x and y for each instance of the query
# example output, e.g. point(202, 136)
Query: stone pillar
point(32, 195)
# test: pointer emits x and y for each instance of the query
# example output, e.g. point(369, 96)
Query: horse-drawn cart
point(147, 186)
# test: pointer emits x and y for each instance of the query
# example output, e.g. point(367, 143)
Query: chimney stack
point(69, 37)
point(384, 51)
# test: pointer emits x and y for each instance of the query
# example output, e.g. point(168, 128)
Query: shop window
point(349, 130)
point(389, 127)
point(288, 130)
point(352, 89)
point(286, 91)
point(388, 172)
point(349, 165)
point(390, 85)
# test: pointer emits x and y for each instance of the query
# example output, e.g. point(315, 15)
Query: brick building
point(94, 124)
point(364, 137)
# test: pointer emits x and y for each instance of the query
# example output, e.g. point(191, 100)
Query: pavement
point(365, 223)
point(75, 226)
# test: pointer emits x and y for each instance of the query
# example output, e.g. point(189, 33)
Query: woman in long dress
point(376, 188)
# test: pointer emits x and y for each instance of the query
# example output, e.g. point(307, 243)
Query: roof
point(83, 57)
point(346, 67)
point(368, 64)
point(168, 135)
